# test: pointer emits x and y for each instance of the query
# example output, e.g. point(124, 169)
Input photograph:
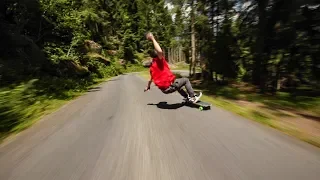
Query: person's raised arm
point(156, 45)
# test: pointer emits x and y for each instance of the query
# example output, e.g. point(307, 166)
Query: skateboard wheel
point(200, 108)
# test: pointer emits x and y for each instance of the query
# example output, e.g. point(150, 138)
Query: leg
point(183, 93)
point(179, 83)
point(169, 90)
point(172, 89)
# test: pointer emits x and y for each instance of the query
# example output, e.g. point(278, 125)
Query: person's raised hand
point(149, 36)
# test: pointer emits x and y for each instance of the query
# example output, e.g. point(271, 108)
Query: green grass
point(145, 74)
point(246, 112)
point(281, 100)
point(133, 68)
point(183, 66)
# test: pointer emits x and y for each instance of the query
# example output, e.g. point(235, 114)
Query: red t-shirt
point(161, 74)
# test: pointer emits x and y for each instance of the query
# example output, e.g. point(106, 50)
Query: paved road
point(115, 133)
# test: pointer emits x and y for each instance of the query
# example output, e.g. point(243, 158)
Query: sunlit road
point(118, 132)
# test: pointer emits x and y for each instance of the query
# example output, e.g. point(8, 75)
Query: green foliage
point(46, 61)
point(140, 56)
point(133, 68)
point(273, 45)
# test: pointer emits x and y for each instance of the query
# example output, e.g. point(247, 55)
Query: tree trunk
point(3, 8)
point(276, 80)
point(217, 20)
point(193, 40)
point(277, 85)
point(211, 75)
point(316, 65)
point(259, 71)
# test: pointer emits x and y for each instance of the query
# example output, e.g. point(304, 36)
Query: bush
point(140, 56)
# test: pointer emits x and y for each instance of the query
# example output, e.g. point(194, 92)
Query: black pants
point(177, 86)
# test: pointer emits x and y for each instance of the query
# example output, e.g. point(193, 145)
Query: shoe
point(186, 99)
point(195, 98)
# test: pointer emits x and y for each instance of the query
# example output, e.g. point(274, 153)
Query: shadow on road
point(165, 105)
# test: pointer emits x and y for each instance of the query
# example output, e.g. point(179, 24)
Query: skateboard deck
point(200, 104)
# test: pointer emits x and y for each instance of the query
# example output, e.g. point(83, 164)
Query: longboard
point(200, 104)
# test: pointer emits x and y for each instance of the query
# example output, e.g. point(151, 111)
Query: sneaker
point(195, 98)
point(186, 98)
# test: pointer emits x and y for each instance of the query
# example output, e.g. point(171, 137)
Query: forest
point(272, 44)
point(52, 50)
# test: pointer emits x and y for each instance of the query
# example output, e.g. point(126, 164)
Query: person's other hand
point(146, 89)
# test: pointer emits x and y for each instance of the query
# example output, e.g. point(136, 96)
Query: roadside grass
point(24, 103)
point(145, 74)
point(246, 92)
point(240, 110)
point(133, 68)
point(262, 108)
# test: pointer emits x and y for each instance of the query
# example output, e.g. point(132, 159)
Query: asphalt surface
point(117, 132)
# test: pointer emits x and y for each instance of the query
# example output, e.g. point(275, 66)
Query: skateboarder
point(163, 78)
